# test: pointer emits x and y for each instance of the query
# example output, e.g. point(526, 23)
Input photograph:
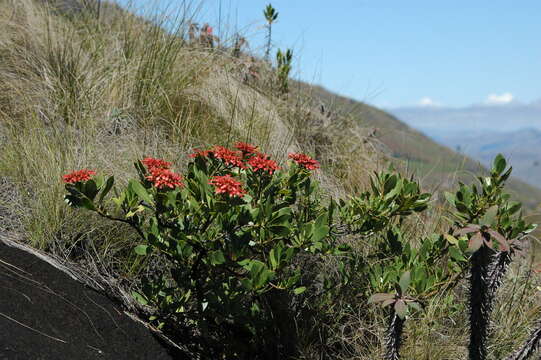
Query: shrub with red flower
point(164, 178)
point(262, 162)
point(305, 161)
point(227, 185)
point(152, 163)
point(78, 176)
point(246, 148)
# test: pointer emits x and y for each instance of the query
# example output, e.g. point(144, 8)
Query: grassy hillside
point(99, 89)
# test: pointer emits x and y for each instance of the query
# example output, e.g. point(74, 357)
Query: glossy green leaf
point(299, 290)
point(108, 186)
point(499, 164)
point(142, 249)
point(141, 299)
point(140, 191)
point(216, 257)
point(405, 281)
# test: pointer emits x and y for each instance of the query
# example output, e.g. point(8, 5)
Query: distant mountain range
point(482, 132)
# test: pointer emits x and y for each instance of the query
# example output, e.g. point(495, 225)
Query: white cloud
point(426, 101)
point(495, 99)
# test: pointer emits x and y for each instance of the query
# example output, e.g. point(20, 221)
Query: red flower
point(162, 178)
point(262, 162)
point(201, 153)
point(152, 163)
point(305, 161)
point(246, 148)
point(227, 185)
point(228, 156)
point(78, 176)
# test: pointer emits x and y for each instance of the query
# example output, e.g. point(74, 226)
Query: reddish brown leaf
point(400, 308)
point(502, 241)
point(476, 242)
point(467, 229)
point(379, 297)
point(388, 302)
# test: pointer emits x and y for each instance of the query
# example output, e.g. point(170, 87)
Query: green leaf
point(141, 250)
point(320, 229)
point(405, 281)
point(450, 198)
point(514, 207)
point(499, 164)
point(141, 299)
point(217, 257)
point(275, 256)
point(390, 184)
point(90, 189)
point(490, 216)
point(280, 230)
point(108, 185)
point(299, 290)
point(451, 239)
point(140, 191)
point(455, 254)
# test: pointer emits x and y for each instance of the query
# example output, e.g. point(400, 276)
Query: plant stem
point(480, 303)
point(393, 337)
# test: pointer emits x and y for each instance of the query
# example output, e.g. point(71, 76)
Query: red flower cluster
point(262, 162)
point(246, 154)
point(162, 178)
point(78, 176)
point(246, 148)
point(305, 161)
point(227, 185)
point(201, 153)
point(152, 163)
point(228, 156)
point(160, 174)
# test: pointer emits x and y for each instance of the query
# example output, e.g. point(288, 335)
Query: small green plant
point(283, 69)
point(492, 225)
point(487, 231)
point(270, 16)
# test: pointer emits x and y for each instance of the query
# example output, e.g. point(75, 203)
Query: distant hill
point(521, 147)
point(482, 131)
point(438, 165)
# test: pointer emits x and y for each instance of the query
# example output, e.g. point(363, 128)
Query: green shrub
point(231, 231)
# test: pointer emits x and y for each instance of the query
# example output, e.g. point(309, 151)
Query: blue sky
point(399, 53)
